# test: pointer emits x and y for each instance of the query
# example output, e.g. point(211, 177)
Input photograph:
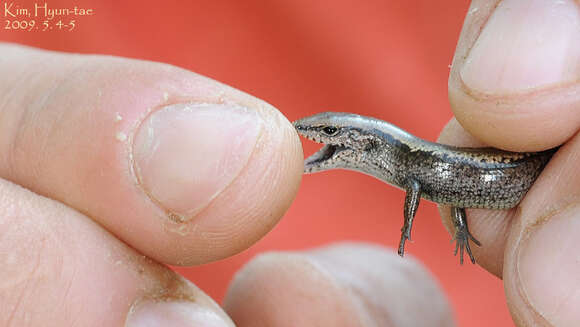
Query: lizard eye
point(330, 130)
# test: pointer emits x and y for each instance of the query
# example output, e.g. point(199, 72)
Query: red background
point(385, 58)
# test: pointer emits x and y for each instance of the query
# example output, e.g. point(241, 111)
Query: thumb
point(180, 167)
point(514, 82)
point(541, 262)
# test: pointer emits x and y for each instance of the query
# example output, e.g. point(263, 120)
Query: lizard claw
point(461, 238)
point(405, 235)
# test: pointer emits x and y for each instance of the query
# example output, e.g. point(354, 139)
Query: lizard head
point(344, 136)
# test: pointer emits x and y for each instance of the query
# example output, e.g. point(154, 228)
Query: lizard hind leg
point(462, 234)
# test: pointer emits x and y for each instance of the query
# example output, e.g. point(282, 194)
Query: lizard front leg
point(412, 199)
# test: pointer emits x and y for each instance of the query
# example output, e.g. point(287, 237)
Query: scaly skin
point(459, 177)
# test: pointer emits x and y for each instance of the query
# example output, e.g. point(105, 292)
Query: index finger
point(182, 168)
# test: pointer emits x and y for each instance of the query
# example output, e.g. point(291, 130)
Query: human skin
point(97, 190)
point(112, 167)
point(514, 84)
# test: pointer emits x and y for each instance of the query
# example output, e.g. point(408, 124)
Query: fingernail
point(153, 314)
point(186, 154)
point(549, 268)
point(525, 45)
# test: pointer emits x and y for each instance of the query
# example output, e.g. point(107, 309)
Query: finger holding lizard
point(525, 97)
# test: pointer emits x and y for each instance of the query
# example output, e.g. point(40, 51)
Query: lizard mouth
point(323, 155)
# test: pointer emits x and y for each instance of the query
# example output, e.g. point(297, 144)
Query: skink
point(455, 176)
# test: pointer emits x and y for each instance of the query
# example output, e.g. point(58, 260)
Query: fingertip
point(510, 91)
point(256, 199)
point(286, 289)
point(185, 155)
point(346, 284)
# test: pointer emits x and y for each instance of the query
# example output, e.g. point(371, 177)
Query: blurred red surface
point(388, 59)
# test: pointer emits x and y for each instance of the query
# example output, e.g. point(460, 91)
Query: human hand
point(131, 164)
point(514, 85)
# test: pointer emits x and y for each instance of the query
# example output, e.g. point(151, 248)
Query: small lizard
point(456, 176)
